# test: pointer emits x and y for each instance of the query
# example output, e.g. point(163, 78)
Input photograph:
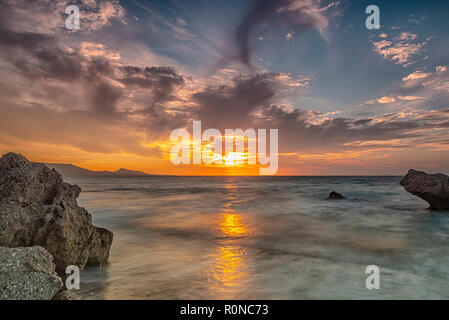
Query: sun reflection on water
point(230, 267)
point(231, 225)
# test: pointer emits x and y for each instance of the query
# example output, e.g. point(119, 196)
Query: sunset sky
point(346, 100)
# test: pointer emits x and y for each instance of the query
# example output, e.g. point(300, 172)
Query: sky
point(345, 100)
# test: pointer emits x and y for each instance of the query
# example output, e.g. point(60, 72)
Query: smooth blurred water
point(265, 238)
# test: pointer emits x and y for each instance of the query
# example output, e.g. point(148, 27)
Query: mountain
point(71, 171)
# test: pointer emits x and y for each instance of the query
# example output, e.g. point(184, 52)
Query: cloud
point(400, 49)
point(253, 102)
point(409, 98)
point(88, 81)
point(160, 80)
point(384, 100)
point(231, 106)
point(301, 132)
point(92, 66)
point(237, 102)
point(289, 35)
point(48, 17)
point(92, 49)
point(148, 101)
point(419, 91)
point(432, 87)
point(88, 95)
point(100, 14)
point(416, 75)
point(407, 36)
point(36, 55)
point(42, 61)
point(297, 14)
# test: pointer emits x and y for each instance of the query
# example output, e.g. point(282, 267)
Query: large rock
point(27, 274)
point(335, 196)
point(38, 208)
point(433, 188)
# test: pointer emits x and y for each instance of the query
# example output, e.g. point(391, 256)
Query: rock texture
point(101, 239)
point(27, 274)
point(335, 196)
point(37, 208)
point(433, 188)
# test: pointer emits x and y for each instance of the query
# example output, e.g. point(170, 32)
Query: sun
point(235, 159)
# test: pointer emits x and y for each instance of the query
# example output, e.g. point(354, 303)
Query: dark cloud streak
point(298, 15)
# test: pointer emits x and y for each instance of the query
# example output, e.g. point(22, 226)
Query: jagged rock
point(38, 208)
point(335, 195)
point(99, 249)
point(433, 188)
point(27, 274)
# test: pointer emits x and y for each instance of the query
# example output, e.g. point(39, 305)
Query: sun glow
point(233, 149)
point(231, 159)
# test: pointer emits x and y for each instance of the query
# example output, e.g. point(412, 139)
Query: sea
point(265, 238)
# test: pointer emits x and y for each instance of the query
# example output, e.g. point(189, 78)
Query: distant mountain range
point(71, 171)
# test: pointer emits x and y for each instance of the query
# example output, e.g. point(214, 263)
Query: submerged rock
point(27, 274)
point(335, 195)
point(37, 208)
point(433, 188)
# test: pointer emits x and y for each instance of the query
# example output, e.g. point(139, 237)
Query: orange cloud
point(384, 100)
point(416, 75)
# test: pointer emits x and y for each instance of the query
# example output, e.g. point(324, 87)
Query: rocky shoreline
point(39, 210)
point(43, 230)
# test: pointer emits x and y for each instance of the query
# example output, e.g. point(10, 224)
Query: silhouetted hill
point(71, 171)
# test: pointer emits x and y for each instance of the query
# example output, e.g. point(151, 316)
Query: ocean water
point(265, 238)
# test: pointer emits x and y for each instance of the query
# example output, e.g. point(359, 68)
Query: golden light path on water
point(230, 268)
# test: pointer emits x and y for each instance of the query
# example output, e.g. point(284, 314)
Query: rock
point(335, 195)
point(27, 274)
point(38, 208)
point(66, 295)
point(433, 188)
point(99, 249)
